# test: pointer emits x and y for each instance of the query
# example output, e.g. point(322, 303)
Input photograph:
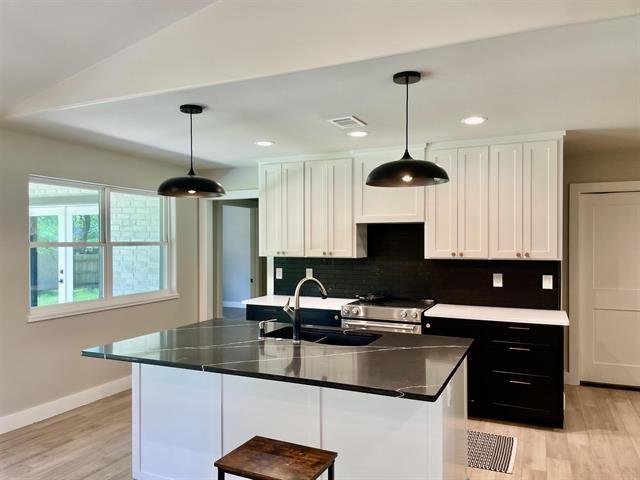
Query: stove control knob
point(355, 310)
point(403, 314)
point(345, 310)
point(414, 315)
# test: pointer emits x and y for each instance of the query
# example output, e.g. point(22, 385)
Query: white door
point(340, 208)
point(381, 204)
point(505, 201)
point(473, 202)
point(270, 209)
point(441, 224)
point(609, 267)
point(540, 200)
point(292, 244)
point(316, 218)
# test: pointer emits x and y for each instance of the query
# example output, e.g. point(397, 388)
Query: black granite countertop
point(400, 365)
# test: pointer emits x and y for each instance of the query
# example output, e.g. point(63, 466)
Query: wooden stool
point(266, 459)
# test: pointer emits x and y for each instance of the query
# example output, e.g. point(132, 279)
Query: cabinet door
point(540, 200)
point(340, 209)
point(380, 204)
point(442, 218)
point(270, 211)
point(505, 201)
point(292, 244)
point(473, 202)
point(316, 206)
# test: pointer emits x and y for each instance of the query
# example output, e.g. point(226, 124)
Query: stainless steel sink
point(327, 337)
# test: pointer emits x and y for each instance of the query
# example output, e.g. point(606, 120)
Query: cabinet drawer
point(523, 391)
point(524, 358)
point(547, 335)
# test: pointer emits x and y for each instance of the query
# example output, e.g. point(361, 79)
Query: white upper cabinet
point(442, 216)
point(316, 207)
point(329, 227)
point(381, 204)
point(473, 202)
point(281, 211)
point(540, 178)
point(524, 206)
point(457, 218)
point(505, 201)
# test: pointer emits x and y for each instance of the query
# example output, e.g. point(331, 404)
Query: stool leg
point(331, 471)
point(220, 474)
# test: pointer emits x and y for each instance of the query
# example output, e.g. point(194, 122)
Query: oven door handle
point(365, 325)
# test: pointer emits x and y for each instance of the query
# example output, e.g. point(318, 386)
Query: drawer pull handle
point(520, 349)
point(518, 382)
point(520, 328)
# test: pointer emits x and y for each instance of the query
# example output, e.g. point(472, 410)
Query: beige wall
point(41, 361)
point(239, 178)
point(590, 167)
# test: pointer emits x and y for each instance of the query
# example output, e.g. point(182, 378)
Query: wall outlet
point(547, 282)
point(278, 273)
point(309, 272)
point(497, 280)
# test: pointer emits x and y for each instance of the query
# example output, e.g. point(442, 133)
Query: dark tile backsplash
point(396, 267)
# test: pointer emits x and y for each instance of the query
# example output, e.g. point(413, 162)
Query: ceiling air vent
point(347, 122)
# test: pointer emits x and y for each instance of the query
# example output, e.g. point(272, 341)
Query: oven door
point(372, 325)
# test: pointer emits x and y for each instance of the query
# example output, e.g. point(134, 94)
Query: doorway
point(607, 297)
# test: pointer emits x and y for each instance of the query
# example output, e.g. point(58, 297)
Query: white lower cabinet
point(383, 204)
point(329, 227)
point(457, 218)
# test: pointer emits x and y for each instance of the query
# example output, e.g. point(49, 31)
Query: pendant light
point(191, 185)
point(407, 172)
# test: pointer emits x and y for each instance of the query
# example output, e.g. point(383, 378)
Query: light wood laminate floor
point(600, 441)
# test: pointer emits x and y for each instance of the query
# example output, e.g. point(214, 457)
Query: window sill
point(39, 314)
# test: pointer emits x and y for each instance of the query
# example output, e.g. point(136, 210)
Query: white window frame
point(108, 301)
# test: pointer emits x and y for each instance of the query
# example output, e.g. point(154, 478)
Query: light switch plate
point(497, 280)
point(278, 273)
point(547, 282)
point(309, 272)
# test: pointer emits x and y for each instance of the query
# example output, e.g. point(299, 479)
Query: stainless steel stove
point(386, 315)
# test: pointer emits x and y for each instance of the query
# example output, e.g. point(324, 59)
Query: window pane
point(60, 213)
point(138, 269)
point(135, 218)
point(65, 275)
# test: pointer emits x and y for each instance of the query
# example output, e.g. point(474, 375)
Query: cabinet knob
point(453, 254)
point(428, 325)
point(518, 254)
point(526, 254)
point(461, 254)
point(282, 252)
point(324, 253)
point(330, 253)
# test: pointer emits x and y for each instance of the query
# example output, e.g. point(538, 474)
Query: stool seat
point(267, 459)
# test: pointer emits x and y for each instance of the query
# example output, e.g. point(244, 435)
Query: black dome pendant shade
point(407, 172)
point(191, 185)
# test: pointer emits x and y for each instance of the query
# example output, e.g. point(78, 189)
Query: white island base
point(184, 420)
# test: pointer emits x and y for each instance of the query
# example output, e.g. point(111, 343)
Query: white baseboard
point(41, 412)
point(233, 304)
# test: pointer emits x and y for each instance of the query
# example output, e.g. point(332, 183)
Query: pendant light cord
point(191, 172)
point(406, 120)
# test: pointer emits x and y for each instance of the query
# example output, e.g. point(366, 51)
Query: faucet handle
point(287, 308)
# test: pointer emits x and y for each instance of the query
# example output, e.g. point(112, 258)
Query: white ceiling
point(50, 40)
point(582, 78)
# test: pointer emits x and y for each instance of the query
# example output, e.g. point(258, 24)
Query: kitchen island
point(392, 408)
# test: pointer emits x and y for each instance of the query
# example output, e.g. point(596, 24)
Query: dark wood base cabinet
point(516, 370)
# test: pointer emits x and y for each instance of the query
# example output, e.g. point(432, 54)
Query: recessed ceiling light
point(264, 143)
point(474, 120)
point(358, 133)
